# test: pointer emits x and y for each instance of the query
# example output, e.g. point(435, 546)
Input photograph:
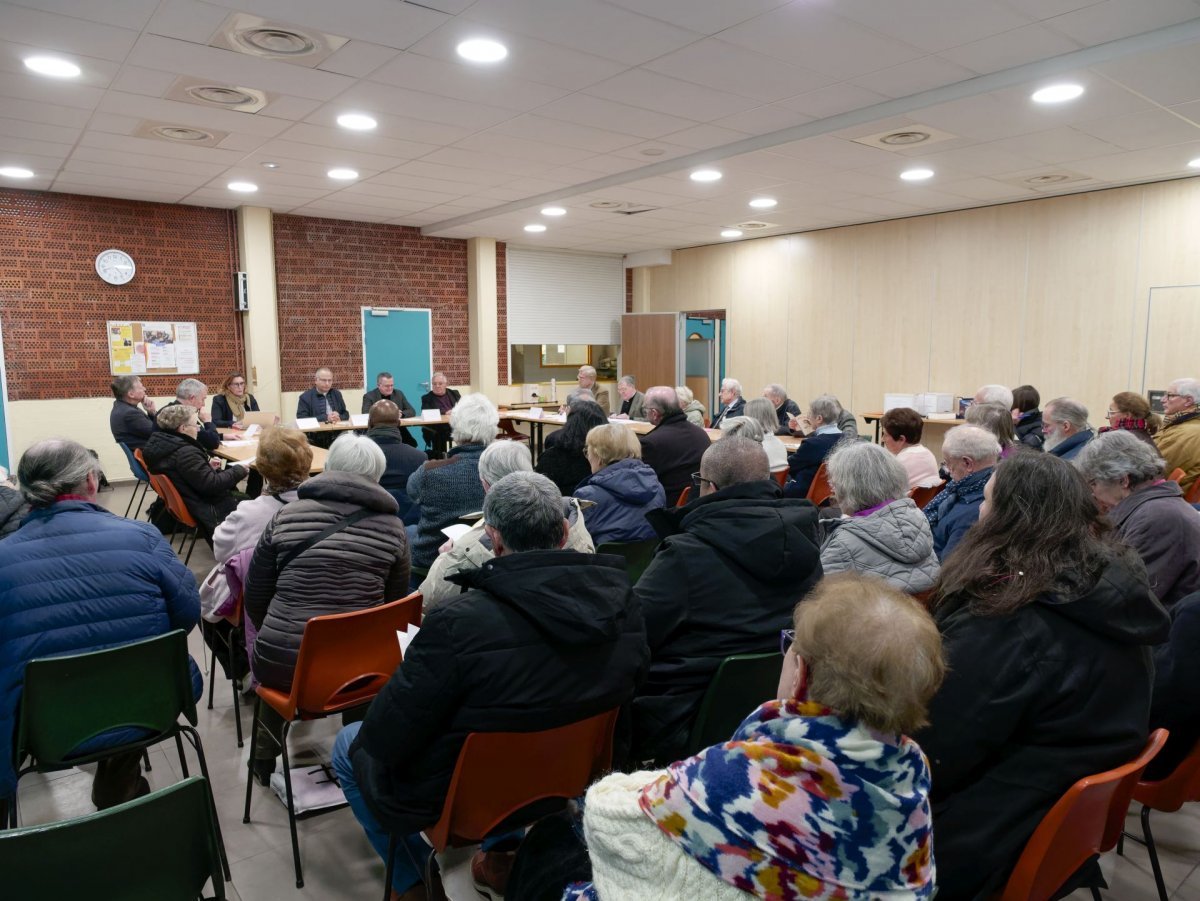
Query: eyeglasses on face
point(697, 479)
point(786, 638)
point(1168, 396)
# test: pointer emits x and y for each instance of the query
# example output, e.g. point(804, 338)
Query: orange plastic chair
point(502, 775)
point(922, 496)
point(820, 490)
point(1085, 822)
point(344, 661)
point(166, 490)
point(1192, 496)
point(780, 477)
point(1176, 475)
point(682, 500)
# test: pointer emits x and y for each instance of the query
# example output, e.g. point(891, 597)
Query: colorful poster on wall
point(153, 348)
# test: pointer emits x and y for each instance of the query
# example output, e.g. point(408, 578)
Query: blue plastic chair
point(141, 475)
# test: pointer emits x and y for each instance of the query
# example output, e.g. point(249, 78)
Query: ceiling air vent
point(234, 97)
point(606, 204)
point(269, 39)
point(1048, 181)
point(911, 135)
point(632, 209)
point(180, 134)
point(753, 225)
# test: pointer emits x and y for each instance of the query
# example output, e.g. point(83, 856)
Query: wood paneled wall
point(1052, 292)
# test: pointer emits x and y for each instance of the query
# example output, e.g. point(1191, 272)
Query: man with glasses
point(1179, 438)
point(731, 566)
point(191, 393)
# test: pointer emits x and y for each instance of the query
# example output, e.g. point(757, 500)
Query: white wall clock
point(115, 266)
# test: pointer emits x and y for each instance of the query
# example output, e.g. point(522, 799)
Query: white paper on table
point(535, 412)
point(431, 415)
point(307, 423)
point(456, 531)
point(239, 442)
point(359, 419)
point(405, 638)
point(251, 430)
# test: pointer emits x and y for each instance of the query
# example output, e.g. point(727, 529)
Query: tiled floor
point(338, 862)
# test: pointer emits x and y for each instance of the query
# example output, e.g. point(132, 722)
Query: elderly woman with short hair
point(473, 549)
point(997, 419)
point(621, 487)
point(970, 453)
point(761, 411)
point(900, 431)
point(1151, 516)
point(692, 408)
point(447, 489)
point(362, 562)
point(823, 434)
point(882, 533)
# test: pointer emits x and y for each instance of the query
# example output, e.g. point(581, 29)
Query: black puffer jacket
point(206, 492)
point(541, 639)
point(361, 566)
point(1029, 429)
point(730, 569)
point(1033, 701)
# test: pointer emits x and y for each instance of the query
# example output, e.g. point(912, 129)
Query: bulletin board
point(152, 348)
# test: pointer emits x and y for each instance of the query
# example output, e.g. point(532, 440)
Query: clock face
point(115, 266)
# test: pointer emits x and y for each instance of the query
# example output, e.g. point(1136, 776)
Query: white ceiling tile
point(878, 206)
point(456, 174)
point(453, 7)
point(922, 74)
point(649, 90)
point(728, 67)
point(1169, 76)
point(328, 210)
point(12, 145)
point(764, 120)
point(705, 18)
point(508, 145)
point(132, 182)
point(27, 111)
point(934, 25)
point(339, 140)
point(1140, 165)
point(987, 189)
point(135, 162)
point(763, 162)
point(834, 152)
point(187, 20)
point(702, 137)
point(122, 190)
point(1048, 9)
point(66, 34)
point(41, 131)
point(564, 134)
point(596, 112)
point(148, 82)
point(242, 143)
point(1057, 145)
point(132, 14)
point(194, 115)
point(837, 98)
point(329, 156)
point(373, 97)
point(477, 159)
point(50, 92)
point(291, 108)
point(1115, 19)
point(77, 168)
point(158, 148)
point(381, 21)
point(1189, 111)
point(601, 164)
point(981, 159)
point(929, 198)
point(462, 82)
point(1012, 48)
point(358, 58)
point(376, 188)
point(1138, 131)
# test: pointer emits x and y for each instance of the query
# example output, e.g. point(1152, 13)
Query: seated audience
point(76, 578)
point(173, 451)
point(969, 453)
point(1047, 623)
point(882, 533)
point(383, 427)
point(997, 420)
point(632, 400)
point(450, 488)
point(900, 430)
point(322, 401)
point(674, 446)
point(443, 398)
point(823, 433)
point(692, 408)
point(575, 396)
point(785, 409)
point(131, 426)
point(510, 654)
point(1130, 412)
point(587, 382)
point(731, 566)
point(745, 427)
point(191, 393)
point(1149, 512)
point(564, 462)
point(754, 816)
point(292, 578)
point(1179, 438)
point(1065, 425)
point(1175, 704)
point(731, 399)
point(1027, 418)
point(760, 410)
point(473, 549)
point(229, 408)
point(994, 394)
point(622, 487)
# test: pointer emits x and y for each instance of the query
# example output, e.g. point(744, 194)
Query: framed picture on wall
point(566, 354)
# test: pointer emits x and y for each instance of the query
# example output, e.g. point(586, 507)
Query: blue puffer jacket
point(955, 510)
point(624, 493)
point(76, 578)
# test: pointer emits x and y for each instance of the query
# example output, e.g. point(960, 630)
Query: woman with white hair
point(1151, 516)
point(447, 489)
point(761, 410)
point(692, 408)
point(822, 434)
point(339, 547)
point(883, 533)
point(969, 454)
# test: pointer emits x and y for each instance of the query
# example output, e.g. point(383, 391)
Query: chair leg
point(1096, 896)
point(287, 784)
point(387, 876)
point(250, 764)
point(191, 547)
point(212, 668)
point(233, 684)
point(145, 486)
point(129, 506)
point(198, 747)
point(146, 759)
point(1158, 876)
point(182, 757)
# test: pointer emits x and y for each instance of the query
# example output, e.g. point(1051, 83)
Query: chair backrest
point(346, 658)
point(780, 477)
point(257, 417)
point(684, 495)
point(1176, 475)
point(922, 496)
point(820, 490)
point(498, 774)
point(158, 848)
point(637, 554)
point(1192, 495)
point(1180, 787)
point(166, 489)
point(135, 467)
point(68, 700)
point(742, 682)
point(1086, 821)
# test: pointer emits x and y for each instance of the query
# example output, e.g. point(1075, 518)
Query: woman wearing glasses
point(230, 406)
point(1130, 412)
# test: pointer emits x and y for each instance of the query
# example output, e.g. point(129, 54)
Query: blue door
point(399, 342)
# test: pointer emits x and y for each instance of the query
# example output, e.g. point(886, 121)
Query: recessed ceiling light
point(535, 228)
point(482, 50)
point(52, 66)
point(1195, 164)
point(243, 187)
point(16, 172)
point(916, 174)
point(763, 203)
point(343, 174)
point(269, 165)
point(1057, 93)
point(553, 211)
point(705, 175)
point(356, 121)
point(731, 233)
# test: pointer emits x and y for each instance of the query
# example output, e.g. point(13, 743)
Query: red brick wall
point(502, 311)
point(327, 269)
point(54, 306)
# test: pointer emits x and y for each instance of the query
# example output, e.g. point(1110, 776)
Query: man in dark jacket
point(732, 402)
point(191, 393)
point(385, 389)
point(970, 454)
point(1065, 425)
point(322, 401)
point(730, 569)
point(785, 408)
point(443, 398)
point(383, 427)
point(130, 426)
point(824, 433)
point(542, 638)
point(674, 446)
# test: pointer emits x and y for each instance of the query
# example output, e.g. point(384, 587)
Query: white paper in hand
point(456, 531)
point(405, 638)
point(251, 430)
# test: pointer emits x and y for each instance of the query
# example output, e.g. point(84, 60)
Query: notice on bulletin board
point(153, 348)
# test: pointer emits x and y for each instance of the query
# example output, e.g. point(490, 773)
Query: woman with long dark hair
point(565, 463)
point(1047, 623)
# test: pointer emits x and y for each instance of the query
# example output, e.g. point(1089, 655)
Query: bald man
point(674, 446)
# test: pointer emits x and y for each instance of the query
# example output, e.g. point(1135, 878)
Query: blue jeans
point(409, 848)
